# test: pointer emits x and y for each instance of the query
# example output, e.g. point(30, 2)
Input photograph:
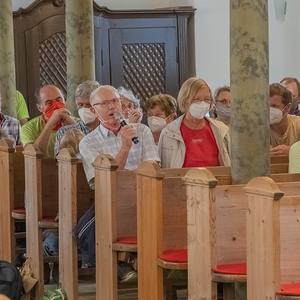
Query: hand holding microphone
point(118, 116)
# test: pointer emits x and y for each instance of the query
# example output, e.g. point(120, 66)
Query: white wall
point(212, 36)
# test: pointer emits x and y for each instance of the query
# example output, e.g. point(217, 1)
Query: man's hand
point(134, 116)
point(127, 134)
point(280, 150)
point(61, 114)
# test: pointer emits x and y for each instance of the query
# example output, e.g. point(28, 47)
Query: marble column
point(80, 46)
point(7, 59)
point(249, 86)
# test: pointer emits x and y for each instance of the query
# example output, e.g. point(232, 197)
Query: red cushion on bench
point(237, 269)
point(290, 289)
point(20, 210)
point(127, 240)
point(179, 256)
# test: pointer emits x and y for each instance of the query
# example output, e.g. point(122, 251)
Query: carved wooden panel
point(144, 69)
point(53, 61)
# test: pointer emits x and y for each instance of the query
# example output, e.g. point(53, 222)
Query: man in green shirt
point(22, 110)
point(41, 131)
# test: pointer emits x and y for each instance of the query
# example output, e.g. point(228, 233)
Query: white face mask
point(157, 124)
point(275, 115)
point(199, 109)
point(86, 115)
point(223, 111)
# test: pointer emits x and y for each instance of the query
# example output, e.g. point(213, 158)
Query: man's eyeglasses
point(106, 103)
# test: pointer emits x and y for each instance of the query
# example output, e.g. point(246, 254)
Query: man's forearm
point(121, 158)
point(43, 139)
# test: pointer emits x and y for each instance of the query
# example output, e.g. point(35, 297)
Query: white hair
point(107, 87)
point(128, 95)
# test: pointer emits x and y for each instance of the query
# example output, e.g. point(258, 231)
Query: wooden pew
point(152, 189)
point(12, 188)
point(216, 230)
point(75, 198)
point(41, 202)
point(281, 159)
point(115, 215)
point(273, 242)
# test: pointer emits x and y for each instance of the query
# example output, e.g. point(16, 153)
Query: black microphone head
point(118, 116)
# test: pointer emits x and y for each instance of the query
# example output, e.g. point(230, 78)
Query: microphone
point(118, 116)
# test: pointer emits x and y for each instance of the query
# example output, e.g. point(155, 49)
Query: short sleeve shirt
point(22, 110)
point(31, 130)
point(104, 141)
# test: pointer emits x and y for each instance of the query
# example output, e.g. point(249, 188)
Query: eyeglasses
point(207, 99)
point(130, 106)
point(106, 103)
point(224, 102)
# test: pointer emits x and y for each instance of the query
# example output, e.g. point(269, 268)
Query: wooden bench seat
point(273, 240)
point(12, 188)
point(115, 216)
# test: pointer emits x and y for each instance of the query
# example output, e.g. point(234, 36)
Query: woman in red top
point(194, 140)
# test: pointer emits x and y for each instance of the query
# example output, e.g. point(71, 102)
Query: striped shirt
point(10, 128)
point(104, 141)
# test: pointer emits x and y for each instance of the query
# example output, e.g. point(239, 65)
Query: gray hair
point(129, 95)
point(85, 89)
point(107, 87)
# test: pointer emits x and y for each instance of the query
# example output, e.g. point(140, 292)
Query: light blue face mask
point(78, 155)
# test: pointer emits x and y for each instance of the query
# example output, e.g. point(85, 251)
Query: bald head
point(46, 95)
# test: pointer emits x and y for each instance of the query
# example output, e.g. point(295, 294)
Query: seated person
point(41, 131)
point(284, 128)
point(88, 120)
point(9, 127)
point(22, 110)
point(294, 158)
point(110, 138)
point(161, 110)
point(71, 139)
point(193, 140)
point(222, 104)
point(294, 85)
point(130, 106)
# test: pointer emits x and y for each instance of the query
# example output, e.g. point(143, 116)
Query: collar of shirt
point(106, 132)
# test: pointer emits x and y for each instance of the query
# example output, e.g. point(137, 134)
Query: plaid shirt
point(10, 127)
point(104, 141)
point(61, 131)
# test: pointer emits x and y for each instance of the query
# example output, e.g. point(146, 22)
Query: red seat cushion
point(127, 240)
point(179, 256)
point(19, 210)
point(290, 289)
point(237, 269)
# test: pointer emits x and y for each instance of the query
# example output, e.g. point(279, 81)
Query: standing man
point(284, 128)
point(41, 131)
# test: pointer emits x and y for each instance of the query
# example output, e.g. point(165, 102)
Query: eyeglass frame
point(106, 103)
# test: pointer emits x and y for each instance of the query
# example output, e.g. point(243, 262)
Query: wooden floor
point(87, 290)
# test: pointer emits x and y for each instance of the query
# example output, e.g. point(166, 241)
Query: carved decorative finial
point(58, 2)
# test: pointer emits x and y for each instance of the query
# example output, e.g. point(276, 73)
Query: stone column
point(249, 90)
point(249, 86)
point(80, 46)
point(7, 59)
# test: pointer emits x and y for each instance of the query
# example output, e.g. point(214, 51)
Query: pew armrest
point(124, 247)
point(172, 265)
point(228, 278)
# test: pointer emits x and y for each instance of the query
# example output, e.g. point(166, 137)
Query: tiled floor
point(87, 291)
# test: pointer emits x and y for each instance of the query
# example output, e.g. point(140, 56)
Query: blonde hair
point(188, 91)
point(71, 139)
point(167, 103)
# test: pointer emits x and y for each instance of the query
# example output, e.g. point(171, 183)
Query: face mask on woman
point(223, 111)
point(275, 115)
point(86, 115)
point(199, 109)
point(157, 124)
